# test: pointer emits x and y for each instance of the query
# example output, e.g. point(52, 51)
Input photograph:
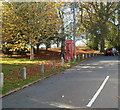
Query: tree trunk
point(95, 44)
point(48, 45)
point(102, 45)
point(63, 45)
point(32, 53)
point(34, 50)
point(57, 43)
point(37, 52)
point(46, 48)
point(95, 47)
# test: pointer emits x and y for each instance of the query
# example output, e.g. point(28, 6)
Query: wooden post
point(24, 73)
point(86, 55)
point(54, 64)
point(69, 60)
point(62, 61)
point(74, 58)
point(1, 79)
point(78, 57)
point(83, 55)
point(42, 67)
point(89, 54)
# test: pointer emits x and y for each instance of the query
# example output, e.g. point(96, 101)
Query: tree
point(32, 23)
point(64, 13)
point(95, 18)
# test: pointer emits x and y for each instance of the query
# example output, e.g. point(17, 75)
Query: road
point(91, 84)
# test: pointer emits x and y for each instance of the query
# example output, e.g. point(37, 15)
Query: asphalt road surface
point(91, 84)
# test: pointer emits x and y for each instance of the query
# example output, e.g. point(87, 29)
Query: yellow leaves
point(34, 20)
point(8, 45)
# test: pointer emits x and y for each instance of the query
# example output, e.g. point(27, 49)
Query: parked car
point(111, 51)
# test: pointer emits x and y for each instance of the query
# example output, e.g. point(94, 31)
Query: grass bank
point(12, 69)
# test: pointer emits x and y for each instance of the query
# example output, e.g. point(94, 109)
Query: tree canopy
point(29, 23)
point(33, 23)
point(99, 21)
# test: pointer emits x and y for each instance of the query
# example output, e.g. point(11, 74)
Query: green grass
point(12, 83)
point(8, 68)
point(12, 69)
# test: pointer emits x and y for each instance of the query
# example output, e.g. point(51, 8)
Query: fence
point(48, 66)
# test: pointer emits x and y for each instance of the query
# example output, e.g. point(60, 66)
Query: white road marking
point(98, 92)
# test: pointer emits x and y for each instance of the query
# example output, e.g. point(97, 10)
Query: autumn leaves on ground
point(12, 67)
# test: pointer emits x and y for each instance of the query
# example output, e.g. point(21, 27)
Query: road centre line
point(98, 92)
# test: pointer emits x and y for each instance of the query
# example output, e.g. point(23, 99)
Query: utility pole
point(74, 28)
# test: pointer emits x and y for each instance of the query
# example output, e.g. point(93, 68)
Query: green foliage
point(92, 44)
point(97, 18)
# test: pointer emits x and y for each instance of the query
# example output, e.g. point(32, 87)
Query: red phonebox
point(69, 49)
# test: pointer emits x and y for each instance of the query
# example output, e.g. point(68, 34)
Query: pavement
point(90, 84)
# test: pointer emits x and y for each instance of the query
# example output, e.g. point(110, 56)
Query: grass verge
point(13, 77)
